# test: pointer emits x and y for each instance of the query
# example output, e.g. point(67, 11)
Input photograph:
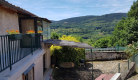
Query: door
point(26, 24)
point(29, 73)
point(44, 62)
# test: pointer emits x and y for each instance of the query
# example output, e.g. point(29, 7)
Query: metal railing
point(117, 48)
point(12, 51)
point(123, 66)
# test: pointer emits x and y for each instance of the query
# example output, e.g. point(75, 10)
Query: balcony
point(12, 51)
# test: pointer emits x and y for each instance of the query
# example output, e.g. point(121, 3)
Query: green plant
point(132, 49)
point(30, 32)
point(66, 53)
point(13, 31)
point(40, 31)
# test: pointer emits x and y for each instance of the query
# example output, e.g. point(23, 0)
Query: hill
point(88, 26)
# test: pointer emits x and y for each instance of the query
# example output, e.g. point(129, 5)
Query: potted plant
point(40, 32)
point(14, 34)
point(30, 33)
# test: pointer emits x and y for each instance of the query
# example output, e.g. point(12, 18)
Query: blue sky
point(62, 9)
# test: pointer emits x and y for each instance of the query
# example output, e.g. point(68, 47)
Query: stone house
point(26, 58)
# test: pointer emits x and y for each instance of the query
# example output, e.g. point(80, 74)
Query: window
point(46, 30)
point(29, 73)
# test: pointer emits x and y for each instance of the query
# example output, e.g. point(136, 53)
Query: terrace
point(12, 51)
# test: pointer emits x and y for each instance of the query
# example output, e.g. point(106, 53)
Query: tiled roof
point(6, 3)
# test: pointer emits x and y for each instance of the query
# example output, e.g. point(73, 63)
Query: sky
point(63, 9)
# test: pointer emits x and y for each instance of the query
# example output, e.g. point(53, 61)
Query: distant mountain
point(52, 21)
point(88, 26)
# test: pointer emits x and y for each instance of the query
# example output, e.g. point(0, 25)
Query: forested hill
point(88, 26)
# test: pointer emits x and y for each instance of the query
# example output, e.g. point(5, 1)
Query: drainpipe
point(92, 63)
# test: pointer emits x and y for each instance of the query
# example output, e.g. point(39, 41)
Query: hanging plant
point(30, 33)
point(13, 31)
point(14, 34)
point(40, 32)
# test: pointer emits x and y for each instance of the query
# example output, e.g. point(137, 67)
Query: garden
point(69, 54)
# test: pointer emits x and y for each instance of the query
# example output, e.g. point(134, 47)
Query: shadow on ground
point(76, 73)
point(134, 74)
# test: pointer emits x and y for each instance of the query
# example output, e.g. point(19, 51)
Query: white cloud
point(61, 9)
point(123, 10)
point(56, 16)
point(78, 1)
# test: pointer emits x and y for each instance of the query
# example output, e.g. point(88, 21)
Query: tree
point(90, 42)
point(126, 30)
point(102, 43)
point(133, 10)
point(77, 38)
point(54, 35)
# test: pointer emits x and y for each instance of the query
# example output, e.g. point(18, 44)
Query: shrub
point(66, 53)
point(132, 49)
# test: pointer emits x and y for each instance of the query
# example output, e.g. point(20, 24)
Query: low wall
point(117, 76)
point(129, 72)
point(106, 55)
point(16, 73)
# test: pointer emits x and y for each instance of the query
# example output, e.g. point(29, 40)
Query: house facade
point(26, 58)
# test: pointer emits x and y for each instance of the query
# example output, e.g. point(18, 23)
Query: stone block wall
point(8, 21)
point(106, 55)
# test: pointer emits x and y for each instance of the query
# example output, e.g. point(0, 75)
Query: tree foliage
point(132, 49)
point(133, 10)
point(88, 27)
point(126, 30)
point(54, 35)
point(103, 42)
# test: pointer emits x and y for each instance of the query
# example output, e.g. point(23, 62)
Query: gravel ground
point(100, 67)
point(134, 76)
point(76, 73)
point(110, 67)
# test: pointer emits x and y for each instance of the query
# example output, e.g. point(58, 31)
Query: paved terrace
point(100, 67)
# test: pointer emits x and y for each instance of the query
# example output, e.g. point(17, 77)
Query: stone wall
point(47, 55)
point(106, 55)
point(127, 73)
point(38, 68)
point(8, 21)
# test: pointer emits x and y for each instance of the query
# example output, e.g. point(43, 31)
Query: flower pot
point(15, 36)
point(40, 34)
point(31, 35)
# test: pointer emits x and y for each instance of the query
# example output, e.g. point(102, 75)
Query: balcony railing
point(12, 51)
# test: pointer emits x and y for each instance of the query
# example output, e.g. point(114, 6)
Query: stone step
point(101, 76)
point(109, 76)
point(47, 77)
point(105, 77)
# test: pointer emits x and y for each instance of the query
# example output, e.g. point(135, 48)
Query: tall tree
point(133, 10)
point(126, 30)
